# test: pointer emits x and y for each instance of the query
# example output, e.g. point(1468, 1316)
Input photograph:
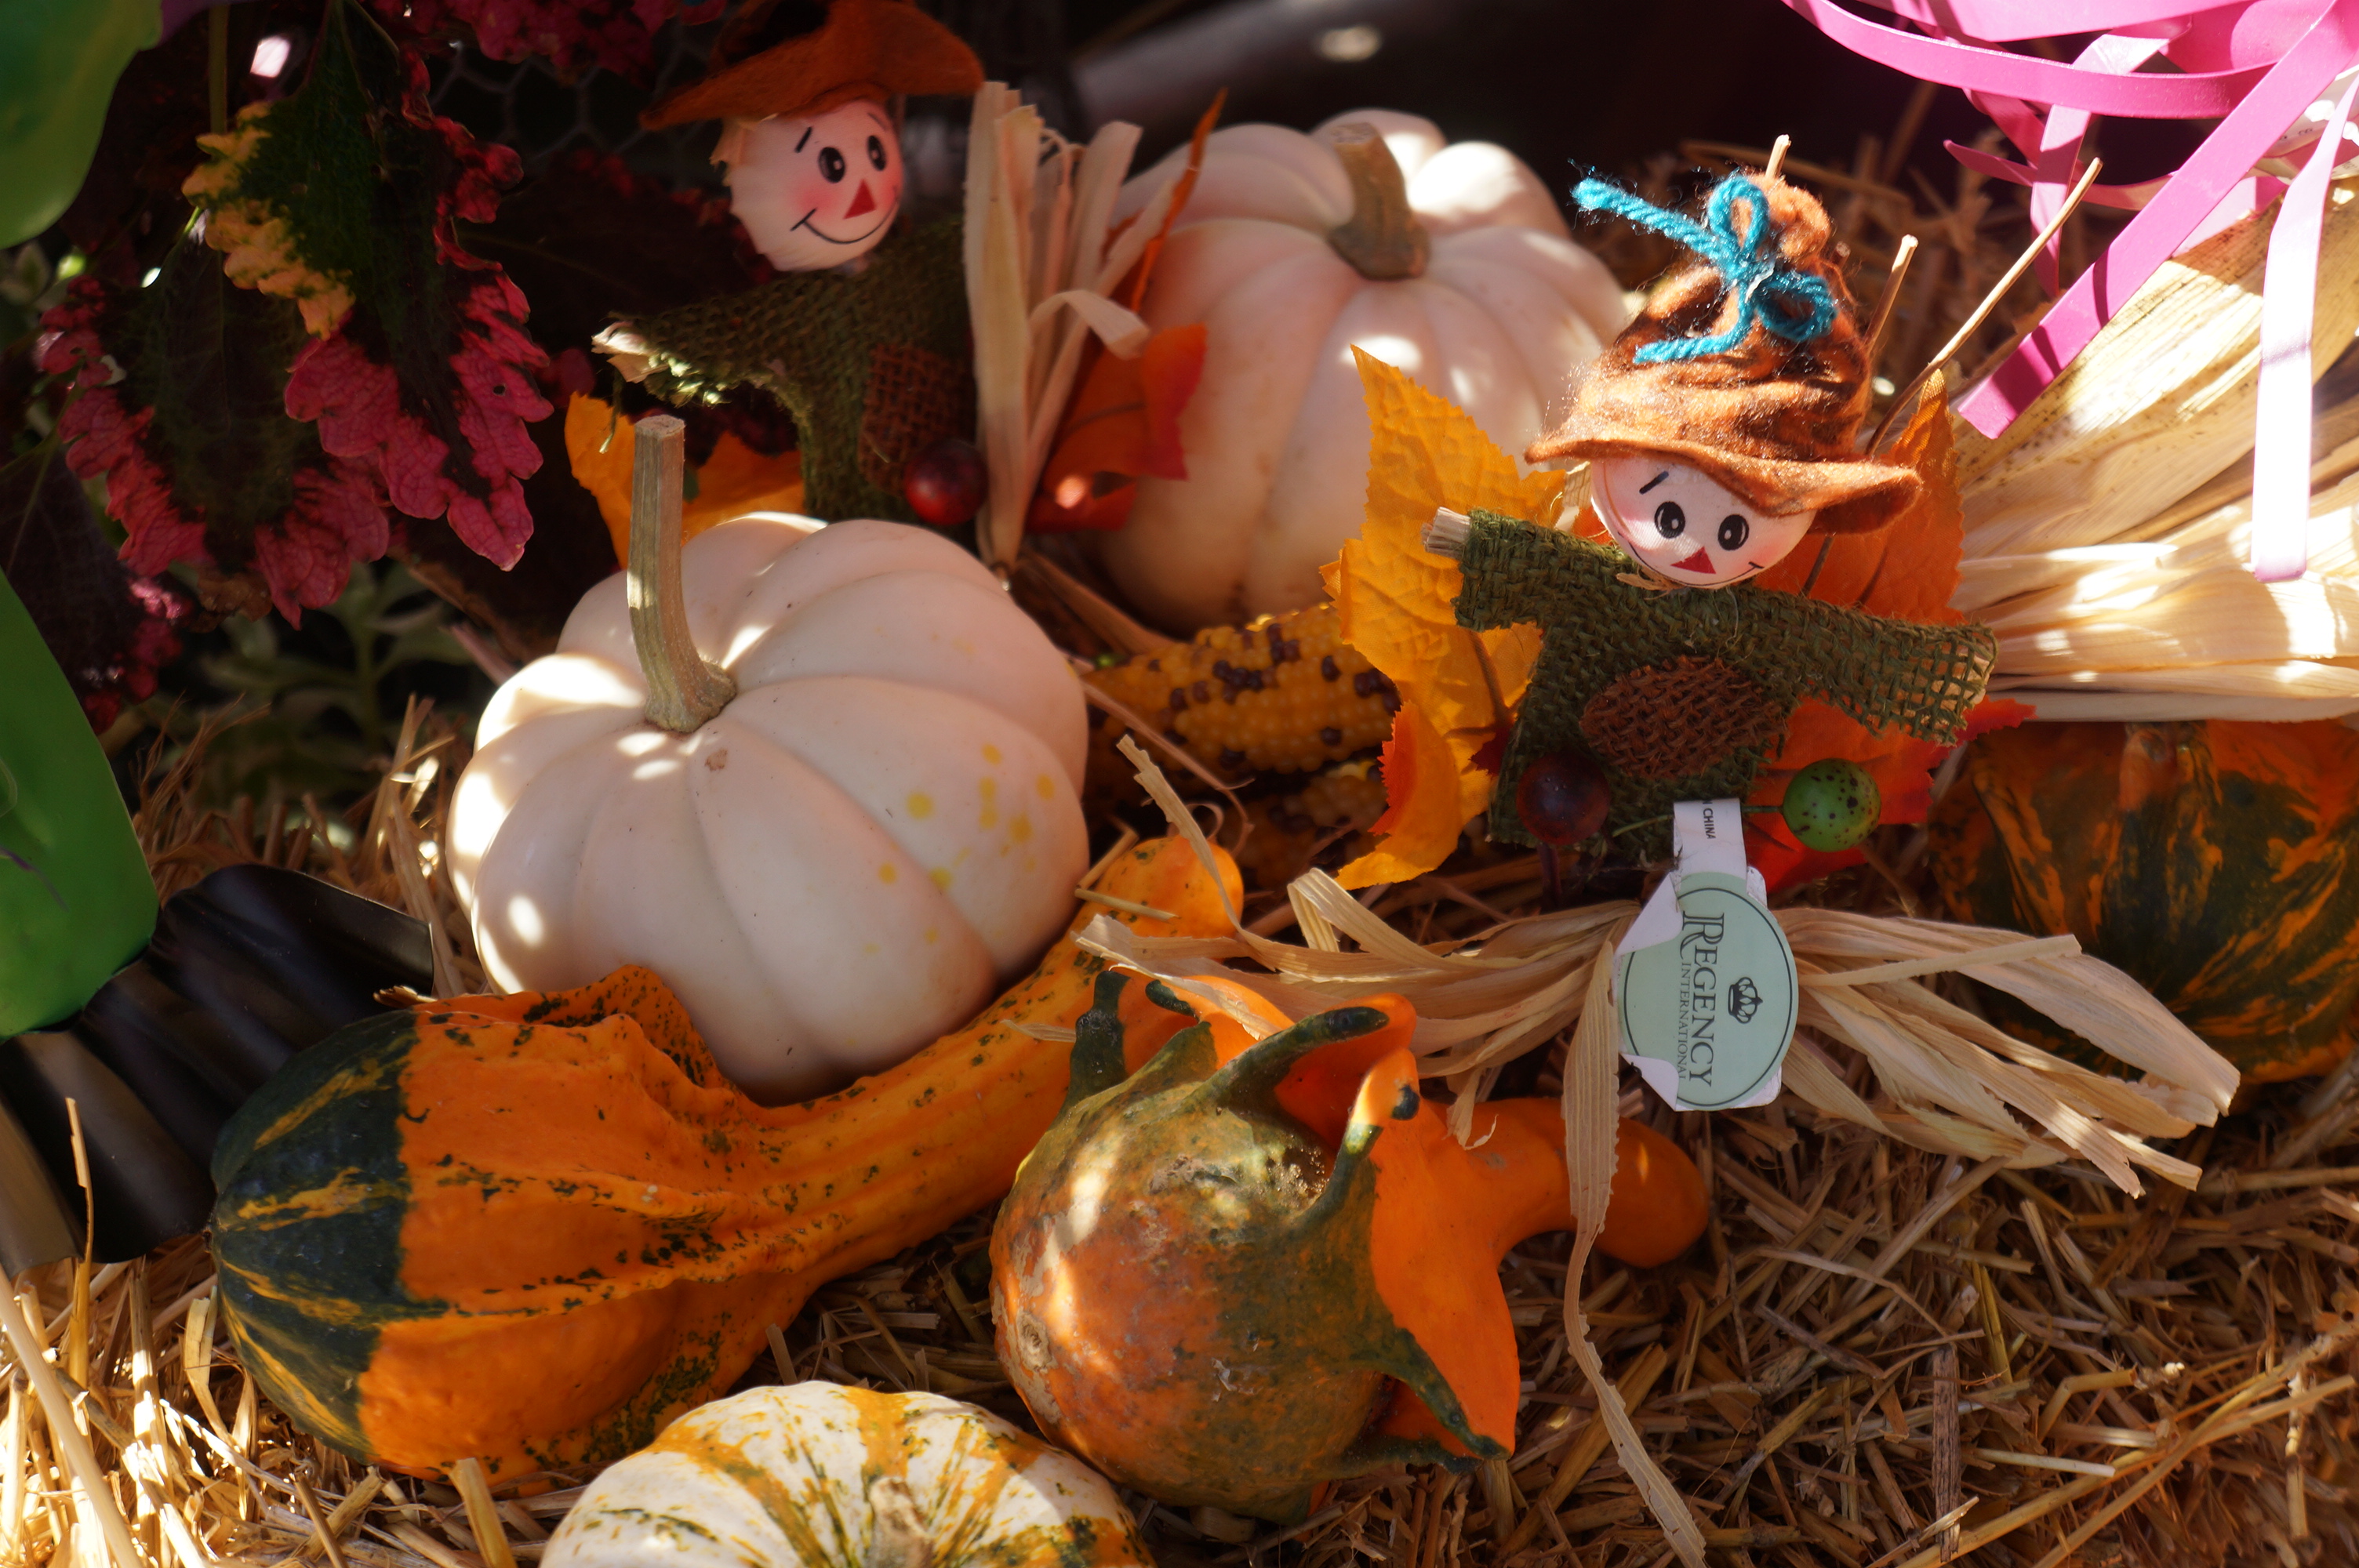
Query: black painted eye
point(831, 165)
point(875, 152)
point(1734, 531)
point(1671, 522)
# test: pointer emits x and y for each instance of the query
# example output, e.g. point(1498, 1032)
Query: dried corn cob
point(1283, 694)
point(1289, 830)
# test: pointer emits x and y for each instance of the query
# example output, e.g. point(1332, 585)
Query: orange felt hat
point(770, 59)
point(1773, 419)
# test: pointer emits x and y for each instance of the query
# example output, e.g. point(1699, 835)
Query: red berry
point(946, 483)
point(1562, 799)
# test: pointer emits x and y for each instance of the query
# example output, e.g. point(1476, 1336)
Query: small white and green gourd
point(829, 1477)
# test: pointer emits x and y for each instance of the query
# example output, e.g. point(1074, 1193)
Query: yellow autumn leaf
point(1395, 600)
point(258, 245)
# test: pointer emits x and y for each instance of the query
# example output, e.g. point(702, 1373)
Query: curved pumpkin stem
point(1382, 239)
point(684, 688)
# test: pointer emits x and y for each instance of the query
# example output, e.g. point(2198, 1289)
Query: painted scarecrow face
point(814, 193)
point(1687, 526)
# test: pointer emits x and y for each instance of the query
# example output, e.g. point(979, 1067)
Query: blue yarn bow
point(1749, 267)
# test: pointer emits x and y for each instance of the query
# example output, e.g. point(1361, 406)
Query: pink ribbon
point(2257, 66)
point(2281, 421)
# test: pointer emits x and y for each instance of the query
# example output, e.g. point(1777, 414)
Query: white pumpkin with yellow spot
point(836, 1477)
point(876, 832)
point(1451, 262)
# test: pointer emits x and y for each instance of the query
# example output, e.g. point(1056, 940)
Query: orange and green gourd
point(1251, 1269)
point(535, 1229)
point(2214, 862)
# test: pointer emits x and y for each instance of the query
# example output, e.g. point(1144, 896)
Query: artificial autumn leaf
point(1397, 603)
point(1422, 816)
point(1906, 569)
point(1122, 425)
point(733, 481)
point(344, 197)
point(179, 403)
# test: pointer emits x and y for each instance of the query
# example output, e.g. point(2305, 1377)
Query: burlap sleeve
point(1924, 679)
point(817, 342)
point(1519, 573)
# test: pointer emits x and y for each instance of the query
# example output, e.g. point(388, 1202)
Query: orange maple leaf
point(1397, 600)
point(733, 481)
point(1906, 569)
point(1124, 422)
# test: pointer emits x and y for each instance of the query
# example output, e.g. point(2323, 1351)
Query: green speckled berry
point(1832, 805)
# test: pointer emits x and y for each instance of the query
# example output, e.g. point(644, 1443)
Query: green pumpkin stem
point(1097, 1041)
point(684, 688)
point(1382, 239)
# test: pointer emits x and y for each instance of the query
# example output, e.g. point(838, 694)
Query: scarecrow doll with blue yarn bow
point(1722, 428)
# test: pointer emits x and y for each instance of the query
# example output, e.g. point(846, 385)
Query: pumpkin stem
point(1097, 1043)
point(899, 1538)
point(1382, 239)
point(684, 688)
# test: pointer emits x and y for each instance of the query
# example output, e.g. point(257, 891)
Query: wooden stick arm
point(1446, 535)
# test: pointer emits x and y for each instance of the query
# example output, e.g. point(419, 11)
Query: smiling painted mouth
point(807, 224)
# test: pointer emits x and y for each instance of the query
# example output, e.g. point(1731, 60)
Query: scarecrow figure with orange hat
point(1722, 428)
point(864, 337)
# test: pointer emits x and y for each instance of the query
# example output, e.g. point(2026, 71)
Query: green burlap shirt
point(873, 364)
point(1701, 680)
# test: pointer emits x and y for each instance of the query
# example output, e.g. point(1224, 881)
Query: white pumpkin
point(818, 1474)
point(1505, 308)
point(878, 830)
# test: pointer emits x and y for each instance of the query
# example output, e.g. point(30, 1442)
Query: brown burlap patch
point(1679, 717)
point(914, 398)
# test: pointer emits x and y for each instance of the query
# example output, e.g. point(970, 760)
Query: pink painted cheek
point(802, 190)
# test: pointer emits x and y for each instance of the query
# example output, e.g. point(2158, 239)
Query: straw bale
point(1881, 1353)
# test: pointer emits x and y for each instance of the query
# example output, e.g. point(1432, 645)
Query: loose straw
point(64, 1432)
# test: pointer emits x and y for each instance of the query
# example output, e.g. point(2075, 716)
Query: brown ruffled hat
point(795, 56)
point(1776, 416)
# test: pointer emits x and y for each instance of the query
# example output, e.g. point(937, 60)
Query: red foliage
point(571, 35)
point(357, 401)
point(336, 517)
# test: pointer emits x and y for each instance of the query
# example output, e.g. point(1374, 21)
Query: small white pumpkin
point(1293, 250)
point(850, 856)
point(819, 1474)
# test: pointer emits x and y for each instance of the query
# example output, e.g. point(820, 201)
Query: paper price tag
point(1705, 990)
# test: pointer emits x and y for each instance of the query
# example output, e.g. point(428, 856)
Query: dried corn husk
point(2107, 546)
point(1040, 264)
point(1955, 1085)
point(2158, 403)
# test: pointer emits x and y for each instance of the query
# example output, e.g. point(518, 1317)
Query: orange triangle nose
point(861, 201)
point(1699, 562)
